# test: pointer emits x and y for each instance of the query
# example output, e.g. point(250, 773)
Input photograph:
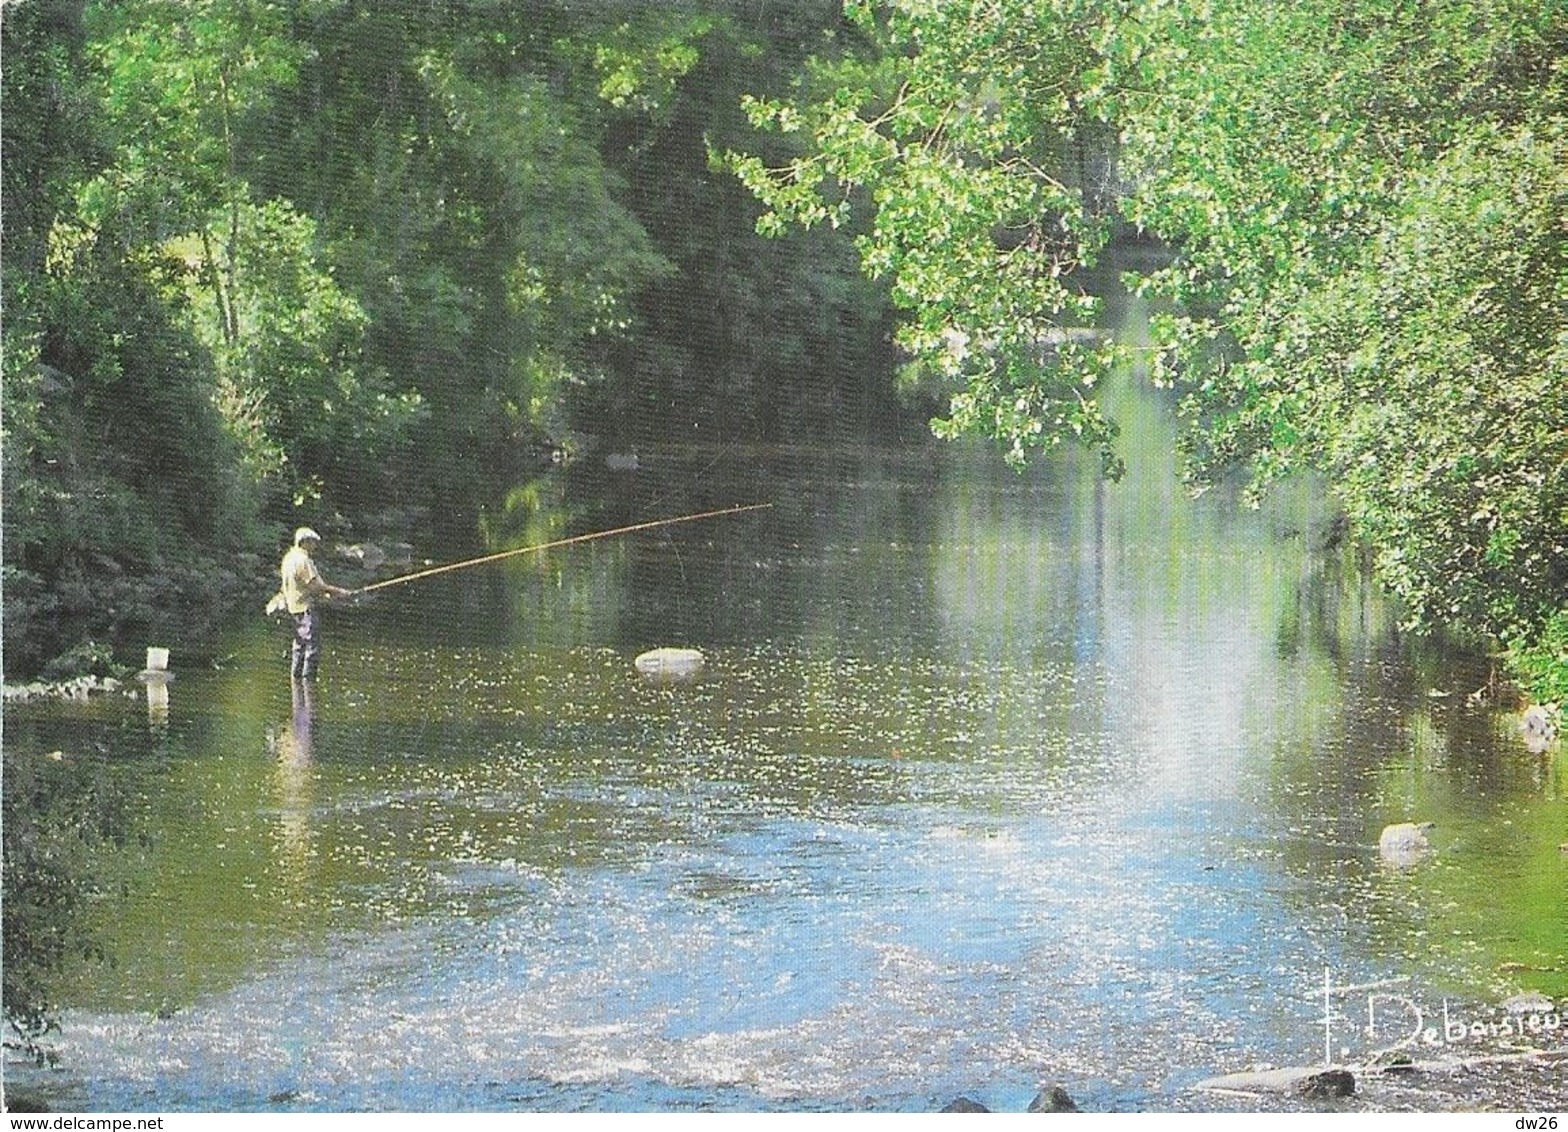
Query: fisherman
point(303, 589)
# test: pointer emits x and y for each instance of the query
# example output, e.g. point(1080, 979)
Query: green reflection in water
point(909, 641)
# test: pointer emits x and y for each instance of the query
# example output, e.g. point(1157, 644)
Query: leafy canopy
point(1363, 201)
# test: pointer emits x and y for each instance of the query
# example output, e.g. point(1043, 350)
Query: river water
point(991, 780)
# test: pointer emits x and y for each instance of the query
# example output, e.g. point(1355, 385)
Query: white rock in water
point(1536, 720)
point(1531, 1002)
point(1538, 727)
point(669, 664)
point(1405, 843)
point(1264, 1080)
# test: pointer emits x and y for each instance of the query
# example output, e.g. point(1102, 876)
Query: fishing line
point(467, 562)
point(725, 448)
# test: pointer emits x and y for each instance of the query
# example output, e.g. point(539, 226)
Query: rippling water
point(990, 781)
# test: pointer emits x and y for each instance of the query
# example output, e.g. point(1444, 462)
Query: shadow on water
point(989, 780)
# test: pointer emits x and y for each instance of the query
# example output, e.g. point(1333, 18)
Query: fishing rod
point(652, 523)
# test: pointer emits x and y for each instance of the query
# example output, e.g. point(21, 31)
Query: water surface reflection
point(989, 780)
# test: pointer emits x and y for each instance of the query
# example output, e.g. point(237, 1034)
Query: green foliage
point(451, 158)
point(1364, 201)
point(1542, 660)
point(641, 58)
point(1443, 421)
point(287, 344)
point(85, 658)
point(747, 337)
point(334, 256)
point(575, 256)
point(181, 83)
point(970, 140)
point(55, 809)
point(1368, 200)
point(188, 92)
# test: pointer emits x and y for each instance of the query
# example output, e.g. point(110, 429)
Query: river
point(990, 781)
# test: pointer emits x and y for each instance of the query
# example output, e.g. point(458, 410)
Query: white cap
point(305, 533)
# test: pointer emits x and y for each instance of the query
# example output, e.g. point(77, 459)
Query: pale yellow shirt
point(301, 580)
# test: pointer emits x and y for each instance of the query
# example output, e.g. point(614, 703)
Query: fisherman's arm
point(320, 587)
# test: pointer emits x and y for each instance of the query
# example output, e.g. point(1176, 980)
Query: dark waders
point(306, 653)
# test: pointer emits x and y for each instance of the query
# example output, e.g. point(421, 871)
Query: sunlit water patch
point(987, 782)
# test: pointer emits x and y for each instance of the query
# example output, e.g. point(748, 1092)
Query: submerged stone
point(1404, 844)
point(1286, 1080)
point(1538, 727)
point(1395, 1064)
point(1053, 1099)
point(1531, 1002)
point(964, 1104)
point(1329, 1083)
